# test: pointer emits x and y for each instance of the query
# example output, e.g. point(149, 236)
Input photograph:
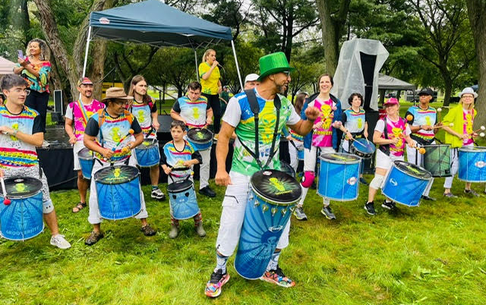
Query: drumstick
point(6, 201)
point(439, 111)
point(130, 132)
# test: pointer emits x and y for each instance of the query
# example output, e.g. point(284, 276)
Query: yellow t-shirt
point(210, 85)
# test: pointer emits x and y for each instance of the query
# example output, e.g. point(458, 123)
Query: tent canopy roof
point(155, 23)
point(6, 66)
point(386, 82)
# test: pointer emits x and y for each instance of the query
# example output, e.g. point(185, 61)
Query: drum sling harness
point(255, 108)
point(385, 148)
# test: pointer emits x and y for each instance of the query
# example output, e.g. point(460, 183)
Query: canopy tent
point(155, 23)
point(6, 66)
point(386, 82)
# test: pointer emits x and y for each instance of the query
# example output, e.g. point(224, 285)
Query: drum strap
point(385, 148)
point(255, 108)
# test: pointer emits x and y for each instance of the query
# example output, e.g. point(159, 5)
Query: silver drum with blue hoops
point(271, 202)
point(472, 164)
point(148, 153)
point(200, 138)
point(405, 183)
point(339, 176)
point(21, 219)
point(86, 161)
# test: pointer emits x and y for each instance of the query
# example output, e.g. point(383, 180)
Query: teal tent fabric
point(155, 23)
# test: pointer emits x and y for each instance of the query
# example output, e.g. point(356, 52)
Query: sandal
point(79, 207)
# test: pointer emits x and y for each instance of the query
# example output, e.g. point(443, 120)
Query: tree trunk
point(477, 18)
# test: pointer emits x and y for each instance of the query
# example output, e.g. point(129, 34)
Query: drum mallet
point(6, 201)
point(439, 113)
point(480, 129)
point(130, 132)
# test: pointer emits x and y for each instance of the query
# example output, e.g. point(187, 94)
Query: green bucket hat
point(273, 63)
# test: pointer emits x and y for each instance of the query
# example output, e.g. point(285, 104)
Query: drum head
point(22, 187)
point(85, 153)
point(116, 174)
point(340, 158)
point(199, 135)
point(179, 186)
point(473, 149)
point(364, 145)
point(276, 186)
point(412, 170)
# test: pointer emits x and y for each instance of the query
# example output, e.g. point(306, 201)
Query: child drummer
point(458, 124)
point(177, 160)
point(110, 127)
point(391, 133)
point(20, 133)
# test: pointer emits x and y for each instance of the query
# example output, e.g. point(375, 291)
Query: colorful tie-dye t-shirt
point(421, 117)
point(322, 136)
point(239, 115)
point(15, 153)
point(468, 126)
point(194, 112)
point(143, 113)
point(175, 158)
point(80, 114)
point(41, 83)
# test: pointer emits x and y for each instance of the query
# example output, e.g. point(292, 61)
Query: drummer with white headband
point(21, 131)
point(458, 124)
point(391, 133)
point(239, 118)
point(422, 120)
point(195, 111)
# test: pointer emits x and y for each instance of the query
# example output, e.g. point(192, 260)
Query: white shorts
point(384, 161)
point(76, 148)
point(234, 205)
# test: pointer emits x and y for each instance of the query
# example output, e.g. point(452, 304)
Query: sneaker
point(471, 192)
point(93, 238)
point(425, 197)
point(299, 213)
point(60, 242)
point(148, 230)
point(218, 279)
point(389, 205)
point(200, 229)
point(363, 181)
point(326, 211)
point(174, 231)
point(157, 194)
point(277, 277)
point(207, 191)
point(370, 208)
point(449, 195)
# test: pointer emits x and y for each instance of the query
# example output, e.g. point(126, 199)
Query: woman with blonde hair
point(211, 84)
point(35, 68)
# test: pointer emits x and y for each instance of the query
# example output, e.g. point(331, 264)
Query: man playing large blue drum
point(77, 116)
point(195, 111)
point(422, 120)
point(109, 135)
point(391, 133)
point(239, 118)
point(21, 131)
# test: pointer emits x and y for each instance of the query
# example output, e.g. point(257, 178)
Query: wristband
point(15, 133)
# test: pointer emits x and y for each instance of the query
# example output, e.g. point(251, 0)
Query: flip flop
point(79, 207)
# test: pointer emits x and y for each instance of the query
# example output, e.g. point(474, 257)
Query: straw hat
point(273, 63)
point(116, 93)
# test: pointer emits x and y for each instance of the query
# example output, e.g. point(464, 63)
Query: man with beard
point(77, 116)
point(239, 118)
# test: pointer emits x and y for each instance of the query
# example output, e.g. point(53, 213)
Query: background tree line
point(431, 42)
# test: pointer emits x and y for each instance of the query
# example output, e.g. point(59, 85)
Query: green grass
point(432, 254)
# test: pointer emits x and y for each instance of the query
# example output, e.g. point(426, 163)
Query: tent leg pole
point(197, 71)
point(236, 62)
point(86, 52)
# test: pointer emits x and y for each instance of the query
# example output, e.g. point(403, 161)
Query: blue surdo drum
point(200, 138)
point(118, 189)
point(148, 153)
point(270, 204)
point(405, 183)
point(182, 199)
point(472, 164)
point(86, 161)
point(363, 148)
point(22, 218)
point(339, 176)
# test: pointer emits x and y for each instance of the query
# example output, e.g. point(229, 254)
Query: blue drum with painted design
point(271, 202)
point(363, 148)
point(22, 218)
point(339, 176)
point(118, 190)
point(200, 138)
point(405, 183)
point(472, 164)
point(148, 153)
point(86, 161)
point(182, 199)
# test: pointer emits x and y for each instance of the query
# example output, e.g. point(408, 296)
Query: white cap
point(251, 77)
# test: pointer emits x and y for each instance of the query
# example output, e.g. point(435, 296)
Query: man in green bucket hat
point(249, 158)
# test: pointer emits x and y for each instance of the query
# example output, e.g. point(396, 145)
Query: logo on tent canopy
point(104, 20)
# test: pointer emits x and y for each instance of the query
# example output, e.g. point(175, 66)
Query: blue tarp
point(155, 23)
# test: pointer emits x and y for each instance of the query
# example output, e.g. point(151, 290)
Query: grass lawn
point(432, 254)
